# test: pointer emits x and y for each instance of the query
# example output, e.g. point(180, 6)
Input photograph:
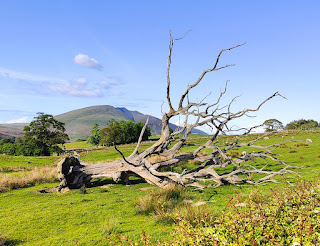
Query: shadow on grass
point(10, 242)
point(101, 182)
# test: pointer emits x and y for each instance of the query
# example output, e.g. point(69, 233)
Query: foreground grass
point(35, 218)
point(30, 217)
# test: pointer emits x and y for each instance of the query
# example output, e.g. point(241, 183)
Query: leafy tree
point(95, 136)
point(44, 134)
point(147, 132)
point(123, 132)
point(272, 125)
point(113, 134)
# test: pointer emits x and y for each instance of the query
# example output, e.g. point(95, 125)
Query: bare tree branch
point(215, 156)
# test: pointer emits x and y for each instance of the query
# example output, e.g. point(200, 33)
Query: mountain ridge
point(79, 122)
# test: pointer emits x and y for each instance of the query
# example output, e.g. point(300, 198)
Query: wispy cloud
point(80, 80)
point(75, 90)
point(76, 87)
point(80, 87)
point(86, 61)
point(12, 74)
point(108, 82)
point(19, 120)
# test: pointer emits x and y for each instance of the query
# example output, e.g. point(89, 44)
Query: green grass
point(29, 217)
point(81, 144)
point(34, 218)
point(26, 161)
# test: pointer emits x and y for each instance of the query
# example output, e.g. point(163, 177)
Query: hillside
point(11, 130)
point(79, 122)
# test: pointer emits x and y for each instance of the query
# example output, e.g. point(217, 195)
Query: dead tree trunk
point(74, 173)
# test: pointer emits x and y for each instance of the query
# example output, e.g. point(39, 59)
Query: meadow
point(33, 213)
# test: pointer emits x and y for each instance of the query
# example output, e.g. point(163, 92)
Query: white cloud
point(80, 80)
point(86, 61)
point(19, 120)
point(108, 82)
point(74, 90)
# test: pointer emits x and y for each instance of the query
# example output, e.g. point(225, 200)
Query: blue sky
point(57, 56)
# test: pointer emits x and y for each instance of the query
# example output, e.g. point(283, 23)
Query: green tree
point(273, 125)
point(146, 134)
point(95, 135)
point(123, 132)
point(113, 134)
point(44, 134)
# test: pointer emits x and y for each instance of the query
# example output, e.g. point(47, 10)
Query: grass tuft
point(44, 174)
point(162, 200)
point(110, 226)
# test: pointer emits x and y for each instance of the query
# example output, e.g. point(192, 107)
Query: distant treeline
point(118, 133)
point(303, 124)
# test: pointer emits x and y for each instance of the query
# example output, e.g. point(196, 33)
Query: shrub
point(289, 216)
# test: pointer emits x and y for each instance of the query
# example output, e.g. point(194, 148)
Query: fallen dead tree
point(74, 173)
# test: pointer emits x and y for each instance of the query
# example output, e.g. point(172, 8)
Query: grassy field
point(36, 215)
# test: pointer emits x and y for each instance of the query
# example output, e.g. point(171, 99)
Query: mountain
point(12, 130)
point(79, 122)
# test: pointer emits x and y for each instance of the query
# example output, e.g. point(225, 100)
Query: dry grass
point(233, 154)
point(156, 158)
point(192, 214)
point(300, 144)
point(37, 175)
point(195, 162)
point(161, 200)
point(283, 146)
point(166, 204)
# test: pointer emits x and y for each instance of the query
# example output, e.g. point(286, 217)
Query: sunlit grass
point(35, 218)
